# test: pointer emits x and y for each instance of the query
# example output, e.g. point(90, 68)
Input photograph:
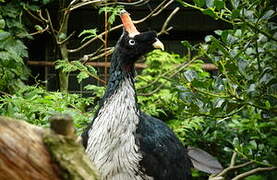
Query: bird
point(123, 142)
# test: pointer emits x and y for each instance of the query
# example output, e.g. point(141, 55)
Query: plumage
point(123, 142)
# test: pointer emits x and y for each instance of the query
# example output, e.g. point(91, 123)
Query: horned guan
point(123, 142)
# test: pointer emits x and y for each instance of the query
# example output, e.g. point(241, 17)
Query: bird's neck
point(113, 129)
point(120, 73)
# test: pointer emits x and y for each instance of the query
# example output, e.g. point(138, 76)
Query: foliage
point(84, 72)
point(113, 12)
point(12, 50)
point(90, 33)
point(13, 71)
point(233, 109)
point(35, 105)
point(155, 88)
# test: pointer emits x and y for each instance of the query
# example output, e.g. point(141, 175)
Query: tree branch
point(253, 171)
point(177, 68)
point(157, 10)
point(48, 20)
point(40, 31)
point(76, 6)
point(66, 39)
point(164, 29)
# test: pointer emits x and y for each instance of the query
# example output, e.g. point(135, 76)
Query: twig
point(232, 165)
point(48, 20)
point(180, 68)
point(137, 3)
point(6, 94)
point(253, 171)
point(34, 16)
point(164, 29)
point(106, 44)
point(71, 7)
point(162, 7)
point(66, 39)
point(41, 16)
point(86, 57)
point(119, 26)
point(102, 55)
point(40, 31)
point(233, 159)
point(158, 9)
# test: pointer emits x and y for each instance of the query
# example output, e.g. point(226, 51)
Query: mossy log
point(29, 152)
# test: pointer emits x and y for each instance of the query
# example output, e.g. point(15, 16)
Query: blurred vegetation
point(231, 110)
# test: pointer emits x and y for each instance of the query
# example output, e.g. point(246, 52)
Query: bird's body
point(123, 142)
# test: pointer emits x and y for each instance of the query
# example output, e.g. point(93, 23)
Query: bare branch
point(233, 159)
point(34, 16)
point(164, 29)
point(232, 165)
point(137, 3)
point(40, 31)
point(175, 70)
point(162, 7)
point(48, 20)
point(85, 3)
point(156, 11)
point(67, 38)
point(86, 57)
point(41, 16)
point(253, 171)
point(106, 53)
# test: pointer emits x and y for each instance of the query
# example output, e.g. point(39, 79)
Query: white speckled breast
point(111, 143)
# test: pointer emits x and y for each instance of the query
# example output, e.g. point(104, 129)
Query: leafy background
point(231, 110)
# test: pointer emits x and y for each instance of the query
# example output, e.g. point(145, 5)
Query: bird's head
point(133, 43)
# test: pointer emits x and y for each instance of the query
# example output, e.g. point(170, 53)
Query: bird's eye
point(132, 42)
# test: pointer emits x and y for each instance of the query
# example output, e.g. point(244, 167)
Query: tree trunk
point(29, 152)
point(61, 36)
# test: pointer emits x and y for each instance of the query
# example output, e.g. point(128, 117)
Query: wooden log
point(33, 153)
point(22, 152)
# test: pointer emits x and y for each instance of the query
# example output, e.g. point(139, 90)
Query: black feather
point(164, 157)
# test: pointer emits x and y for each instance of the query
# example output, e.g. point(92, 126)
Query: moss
point(70, 157)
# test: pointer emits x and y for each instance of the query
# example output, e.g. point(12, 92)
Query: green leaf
point(199, 3)
point(4, 35)
point(235, 3)
point(219, 102)
point(2, 24)
point(268, 14)
point(208, 38)
point(209, 12)
point(235, 13)
point(38, 27)
point(209, 3)
point(187, 44)
point(218, 32)
point(219, 4)
point(89, 33)
point(113, 12)
point(81, 76)
point(190, 75)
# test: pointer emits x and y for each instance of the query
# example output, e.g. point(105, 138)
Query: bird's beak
point(132, 30)
point(158, 44)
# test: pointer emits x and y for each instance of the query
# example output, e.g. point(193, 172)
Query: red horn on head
point(128, 23)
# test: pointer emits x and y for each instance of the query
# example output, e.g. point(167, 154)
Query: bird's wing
point(164, 157)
